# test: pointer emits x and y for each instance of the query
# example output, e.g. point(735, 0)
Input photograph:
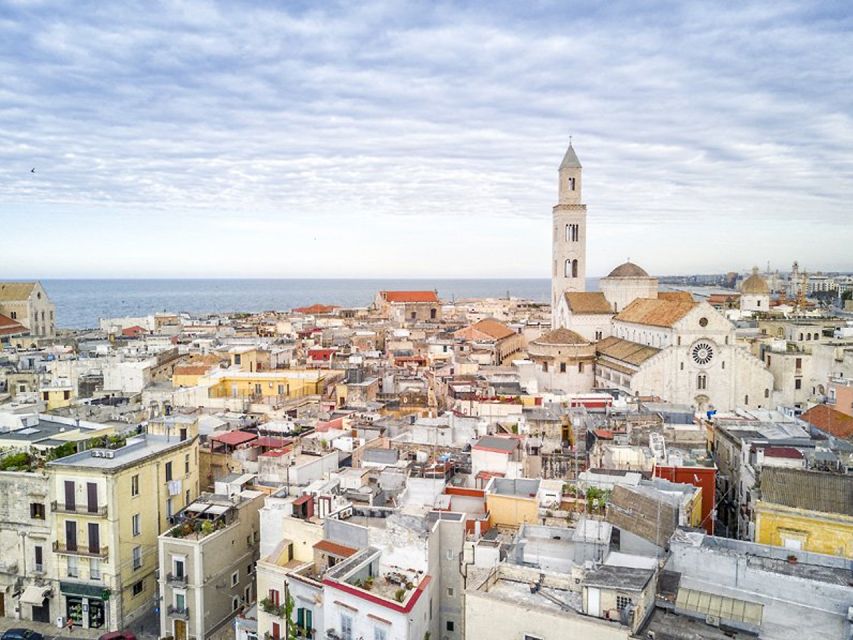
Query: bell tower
point(568, 269)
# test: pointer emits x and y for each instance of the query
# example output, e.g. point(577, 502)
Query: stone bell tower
point(568, 268)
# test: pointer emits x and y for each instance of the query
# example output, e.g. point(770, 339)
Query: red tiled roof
point(830, 420)
point(9, 327)
point(335, 549)
point(321, 354)
point(133, 331)
point(783, 452)
point(604, 434)
point(409, 296)
point(234, 438)
point(316, 309)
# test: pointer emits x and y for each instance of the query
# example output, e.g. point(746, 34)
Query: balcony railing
point(172, 579)
point(80, 550)
point(79, 509)
point(178, 612)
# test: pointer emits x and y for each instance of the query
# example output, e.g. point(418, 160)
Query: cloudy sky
point(401, 139)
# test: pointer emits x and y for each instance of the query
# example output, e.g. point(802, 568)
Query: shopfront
point(85, 604)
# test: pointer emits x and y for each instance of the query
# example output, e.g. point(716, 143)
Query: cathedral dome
point(561, 336)
point(755, 284)
point(628, 270)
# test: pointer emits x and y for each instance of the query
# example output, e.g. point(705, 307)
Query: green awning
point(87, 590)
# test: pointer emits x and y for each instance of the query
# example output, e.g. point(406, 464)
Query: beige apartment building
point(207, 560)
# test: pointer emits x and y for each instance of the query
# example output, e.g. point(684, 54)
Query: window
point(574, 268)
point(571, 184)
point(723, 364)
point(134, 485)
point(187, 496)
point(798, 363)
point(681, 367)
point(449, 592)
point(346, 627)
point(258, 389)
point(249, 569)
point(178, 569)
point(137, 588)
point(275, 597)
point(38, 552)
point(134, 523)
point(236, 358)
point(702, 381)
point(14, 315)
point(767, 393)
point(450, 625)
point(562, 367)
point(180, 601)
point(235, 603)
point(37, 511)
point(169, 510)
point(66, 395)
point(281, 389)
point(623, 602)
point(798, 383)
point(580, 367)
point(598, 335)
point(137, 557)
point(379, 634)
point(432, 314)
point(94, 569)
point(168, 471)
point(70, 535)
point(746, 399)
point(545, 367)
point(235, 578)
point(72, 569)
point(187, 464)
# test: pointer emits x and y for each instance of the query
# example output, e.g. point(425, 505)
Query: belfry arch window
point(572, 232)
point(571, 269)
point(571, 183)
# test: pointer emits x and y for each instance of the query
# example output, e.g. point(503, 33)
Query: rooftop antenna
point(570, 141)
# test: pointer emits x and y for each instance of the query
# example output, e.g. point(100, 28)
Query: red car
point(118, 635)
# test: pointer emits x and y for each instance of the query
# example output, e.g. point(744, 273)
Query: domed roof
point(628, 270)
point(561, 336)
point(755, 284)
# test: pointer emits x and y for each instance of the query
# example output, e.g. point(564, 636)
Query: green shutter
point(300, 617)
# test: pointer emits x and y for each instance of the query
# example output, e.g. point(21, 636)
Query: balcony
point(178, 612)
point(80, 550)
point(79, 509)
point(176, 581)
point(268, 606)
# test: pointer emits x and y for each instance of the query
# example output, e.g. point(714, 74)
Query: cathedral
point(632, 337)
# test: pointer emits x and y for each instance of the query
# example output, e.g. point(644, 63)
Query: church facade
point(646, 342)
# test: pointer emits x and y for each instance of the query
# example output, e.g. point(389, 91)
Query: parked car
point(118, 635)
point(22, 634)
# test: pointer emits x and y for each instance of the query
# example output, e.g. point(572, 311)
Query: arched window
point(574, 268)
point(702, 381)
point(572, 184)
point(567, 271)
point(767, 393)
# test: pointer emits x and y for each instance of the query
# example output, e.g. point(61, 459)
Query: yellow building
point(57, 395)
point(806, 510)
point(284, 383)
point(110, 507)
point(512, 501)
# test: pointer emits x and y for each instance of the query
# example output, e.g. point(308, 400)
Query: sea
point(81, 303)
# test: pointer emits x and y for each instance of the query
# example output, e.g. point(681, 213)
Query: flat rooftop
point(136, 449)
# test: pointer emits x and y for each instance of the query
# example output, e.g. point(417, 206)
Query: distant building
point(754, 293)
point(408, 306)
point(27, 303)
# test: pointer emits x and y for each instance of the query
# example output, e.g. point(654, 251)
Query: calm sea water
point(80, 303)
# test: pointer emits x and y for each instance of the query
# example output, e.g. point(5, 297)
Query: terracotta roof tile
point(830, 420)
point(810, 490)
point(316, 309)
point(625, 350)
point(561, 336)
point(588, 302)
point(10, 291)
point(409, 296)
point(10, 327)
point(335, 549)
point(655, 312)
point(489, 327)
point(676, 296)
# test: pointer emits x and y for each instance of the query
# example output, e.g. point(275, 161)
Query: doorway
point(180, 630)
point(42, 613)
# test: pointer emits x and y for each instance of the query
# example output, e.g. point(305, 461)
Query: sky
point(421, 139)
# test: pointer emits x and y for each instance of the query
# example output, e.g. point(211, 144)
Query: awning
point(35, 595)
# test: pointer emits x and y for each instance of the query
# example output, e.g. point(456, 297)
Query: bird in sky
point(33, 170)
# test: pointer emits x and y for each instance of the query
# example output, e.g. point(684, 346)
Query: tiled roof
point(234, 438)
point(489, 327)
point(316, 309)
point(675, 296)
point(625, 350)
point(810, 490)
point(409, 296)
point(588, 302)
point(10, 291)
point(335, 549)
point(655, 312)
point(628, 270)
point(190, 370)
point(830, 420)
point(561, 336)
point(9, 327)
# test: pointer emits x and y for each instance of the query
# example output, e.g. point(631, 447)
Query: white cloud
point(395, 125)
